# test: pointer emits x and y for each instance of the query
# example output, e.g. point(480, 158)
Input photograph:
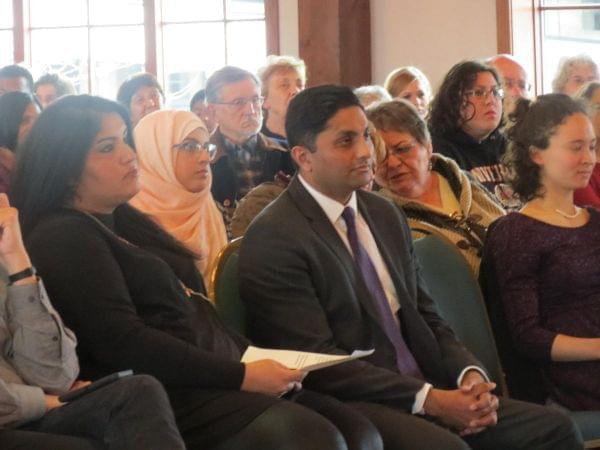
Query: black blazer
point(304, 291)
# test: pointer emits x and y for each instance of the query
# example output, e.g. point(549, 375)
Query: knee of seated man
point(561, 424)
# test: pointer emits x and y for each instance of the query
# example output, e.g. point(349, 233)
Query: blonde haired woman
point(409, 83)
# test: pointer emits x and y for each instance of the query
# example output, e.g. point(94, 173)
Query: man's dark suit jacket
point(304, 291)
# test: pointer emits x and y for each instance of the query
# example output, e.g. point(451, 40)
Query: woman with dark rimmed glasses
point(465, 120)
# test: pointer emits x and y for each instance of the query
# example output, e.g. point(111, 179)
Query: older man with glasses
point(514, 80)
point(244, 157)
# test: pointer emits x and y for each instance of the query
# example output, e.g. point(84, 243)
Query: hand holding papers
point(301, 360)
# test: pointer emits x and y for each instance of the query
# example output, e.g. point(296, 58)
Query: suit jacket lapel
point(326, 231)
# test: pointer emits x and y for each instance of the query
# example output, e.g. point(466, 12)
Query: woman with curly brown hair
point(545, 259)
point(465, 120)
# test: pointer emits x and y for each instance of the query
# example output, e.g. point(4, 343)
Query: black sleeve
point(88, 288)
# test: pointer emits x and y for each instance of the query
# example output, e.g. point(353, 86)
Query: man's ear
point(302, 157)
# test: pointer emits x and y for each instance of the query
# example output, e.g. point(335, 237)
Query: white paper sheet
point(301, 360)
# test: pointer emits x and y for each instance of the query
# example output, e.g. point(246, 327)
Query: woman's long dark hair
point(12, 108)
point(445, 115)
point(52, 159)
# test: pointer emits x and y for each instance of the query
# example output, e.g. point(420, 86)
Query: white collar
point(332, 208)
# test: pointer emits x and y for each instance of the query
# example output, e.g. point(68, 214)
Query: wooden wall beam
point(335, 41)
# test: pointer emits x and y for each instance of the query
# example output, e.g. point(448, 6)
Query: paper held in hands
point(301, 360)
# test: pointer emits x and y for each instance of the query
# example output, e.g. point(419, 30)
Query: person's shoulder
point(513, 223)
point(62, 228)
point(271, 143)
point(378, 201)
point(278, 214)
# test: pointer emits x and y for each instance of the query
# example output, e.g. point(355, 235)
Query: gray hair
point(368, 95)
point(401, 116)
point(564, 69)
point(223, 77)
point(276, 63)
point(586, 93)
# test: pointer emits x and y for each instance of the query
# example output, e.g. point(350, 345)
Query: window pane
point(245, 9)
point(112, 62)
point(568, 33)
point(186, 67)
point(189, 10)
point(61, 51)
point(54, 13)
point(246, 44)
point(6, 48)
point(102, 12)
point(568, 2)
point(6, 14)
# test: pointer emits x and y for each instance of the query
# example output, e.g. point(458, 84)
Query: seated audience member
point(573, 72)
point(330, 268)
point(368, 95)
point(38, 363)
point(18, 112)
point(199, 107)
point(545, 259)
point(51, 87)
point(15, 78)
point(436, 196)
point(590, 195)
point(464, 122)
point(409, 83)
point(140, 95)
point(132, 295)
point(281, 78)
point(174, 162)
point(514, 80)
point(245, 157)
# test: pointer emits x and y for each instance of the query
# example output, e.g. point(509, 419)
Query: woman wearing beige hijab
point(173, 154)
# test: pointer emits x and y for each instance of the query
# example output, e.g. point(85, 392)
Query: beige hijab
point(193, 218)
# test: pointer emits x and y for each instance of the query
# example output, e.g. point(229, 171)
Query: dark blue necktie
point(405, 360)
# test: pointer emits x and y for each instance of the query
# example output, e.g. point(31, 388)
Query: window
point(541, 32)
point(568, 28)
point(99, 43)
point(6, 33)
point(200, 37)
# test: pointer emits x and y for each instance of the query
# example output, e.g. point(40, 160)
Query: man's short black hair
point(15, 71)
point(310, 110)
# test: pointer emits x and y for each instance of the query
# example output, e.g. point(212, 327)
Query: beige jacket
point(467, 228)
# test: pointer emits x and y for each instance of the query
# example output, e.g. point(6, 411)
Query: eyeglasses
point(520, 84)
point(196, 147)
point(239, 103)
point(482, 94)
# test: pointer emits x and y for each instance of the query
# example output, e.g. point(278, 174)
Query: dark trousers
point(307, 421)
point(130, 414)
point(32, 440)
point(521, 426)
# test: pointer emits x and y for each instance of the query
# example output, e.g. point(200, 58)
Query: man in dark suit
point(330, 268)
